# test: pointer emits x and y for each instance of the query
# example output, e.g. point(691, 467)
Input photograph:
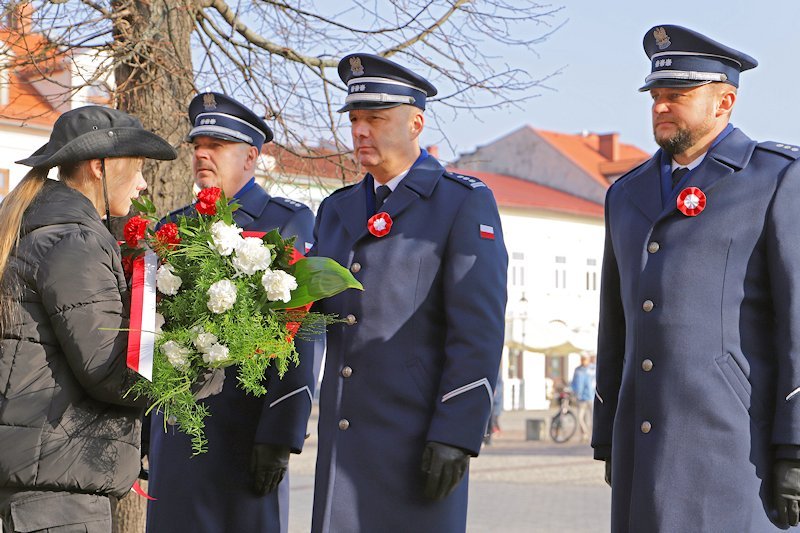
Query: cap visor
point(671, 83)
point(368, 105)
point(198, 132)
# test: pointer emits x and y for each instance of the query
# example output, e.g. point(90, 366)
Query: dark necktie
point(678, 174)
point(381, 193)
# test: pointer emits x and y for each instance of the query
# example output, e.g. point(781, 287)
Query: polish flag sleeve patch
point(487, 232)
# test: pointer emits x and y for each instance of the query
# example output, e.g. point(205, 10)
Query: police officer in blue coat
point(409, 377)
point(697, 407)
point(236, 486)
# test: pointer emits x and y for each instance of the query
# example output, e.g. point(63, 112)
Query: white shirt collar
point(691, 165)
point(392, 183)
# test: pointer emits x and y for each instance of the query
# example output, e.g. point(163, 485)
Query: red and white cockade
point(691, 201)
point(380, 224)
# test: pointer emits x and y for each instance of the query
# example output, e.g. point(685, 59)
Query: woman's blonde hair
point(11, 210)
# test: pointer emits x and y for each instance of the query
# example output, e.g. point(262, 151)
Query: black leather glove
point(786, 490)
point(268, 464)
point(208, 383)
point(443, 466)
point(608, 471)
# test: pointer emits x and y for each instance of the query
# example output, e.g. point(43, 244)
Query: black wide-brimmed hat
point(96, 132)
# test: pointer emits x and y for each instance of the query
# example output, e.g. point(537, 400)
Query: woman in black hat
point(69, 439)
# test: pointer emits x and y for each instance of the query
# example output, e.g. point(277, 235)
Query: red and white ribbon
point(142, 335)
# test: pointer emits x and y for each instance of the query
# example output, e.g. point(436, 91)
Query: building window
point(4, 182)
point(591, 274)
point(517, 269)
point(561, 272)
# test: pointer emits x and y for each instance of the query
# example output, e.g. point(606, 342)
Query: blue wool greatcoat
point(699, 342)
point(210, 493)
point(417, 358)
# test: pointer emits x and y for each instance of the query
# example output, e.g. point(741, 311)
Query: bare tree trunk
point(154, 82)
point(130, 513)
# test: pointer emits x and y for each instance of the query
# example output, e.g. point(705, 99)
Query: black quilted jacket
point(64, 424)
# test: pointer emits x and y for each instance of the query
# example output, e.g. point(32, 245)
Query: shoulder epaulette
point(787, 150)
point(631, 171)
point(466, 181)
point(345, 188)
point(288, 203)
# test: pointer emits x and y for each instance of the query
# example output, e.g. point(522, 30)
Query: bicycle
point(564, 423)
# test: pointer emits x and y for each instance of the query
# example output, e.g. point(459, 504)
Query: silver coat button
point(350, 319)
point(647, 365)
point(648, 306)
point(646, 426)
point(653, 247)
point(344, 424)
point(355, 268)
point(347, 372)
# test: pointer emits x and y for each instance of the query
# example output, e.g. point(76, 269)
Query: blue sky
point(600, 51)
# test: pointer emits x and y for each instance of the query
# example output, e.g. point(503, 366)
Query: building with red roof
point(583, 165)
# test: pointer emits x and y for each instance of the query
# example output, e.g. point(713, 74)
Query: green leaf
point(144, 205)
point(317, 278)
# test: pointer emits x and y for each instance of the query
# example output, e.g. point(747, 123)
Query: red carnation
point(134, 231)
point(167, 235)
point(207, 201)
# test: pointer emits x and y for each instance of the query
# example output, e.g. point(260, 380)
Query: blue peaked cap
point(681, 57)
point(374, 82)
point(220, 116)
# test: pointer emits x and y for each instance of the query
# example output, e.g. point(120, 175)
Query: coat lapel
point(351, 207)
point(419, 183)
point(644, 187)
point(251, 205)
point(728, 157)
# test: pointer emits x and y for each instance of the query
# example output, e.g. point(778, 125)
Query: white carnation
point(176, 354)
point(167, 282)
point(278, 285)
point(204, 341)
point(221, 296)
point(252, 255)
point(226, 238)
point(216, 354)
point(159, 322)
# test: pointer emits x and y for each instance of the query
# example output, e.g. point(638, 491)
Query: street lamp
point(523, 316)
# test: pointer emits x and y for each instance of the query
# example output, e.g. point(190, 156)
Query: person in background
point(69, 435)
point(583, 384)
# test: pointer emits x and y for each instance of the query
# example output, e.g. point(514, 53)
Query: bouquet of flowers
point(222, 297)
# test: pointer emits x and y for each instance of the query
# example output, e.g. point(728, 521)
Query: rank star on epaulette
point(788, 147)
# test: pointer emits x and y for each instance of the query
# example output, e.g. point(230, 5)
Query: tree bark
point(154, 77)
point(154, 82)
